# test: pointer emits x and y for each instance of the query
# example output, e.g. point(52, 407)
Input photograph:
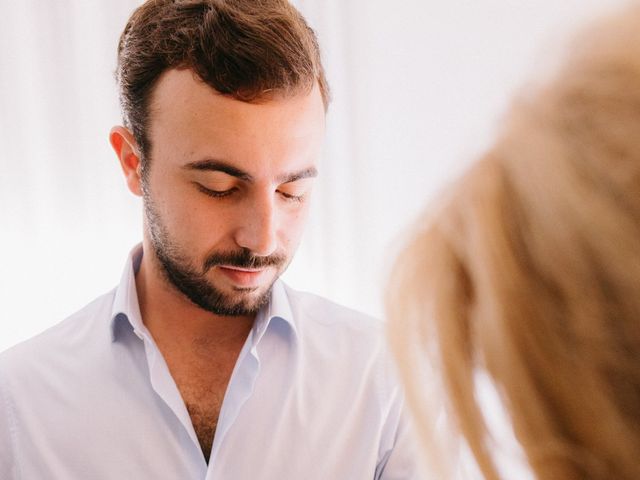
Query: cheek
point(204, 224)
point(190, 216)
point(293, 227)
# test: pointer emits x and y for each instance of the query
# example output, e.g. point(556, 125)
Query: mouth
point(243, 277)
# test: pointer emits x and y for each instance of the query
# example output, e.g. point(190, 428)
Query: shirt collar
point(278, 309)
point(126, 308)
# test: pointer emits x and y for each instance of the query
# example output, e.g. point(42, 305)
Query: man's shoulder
point(314, 308)
point(338, 338)
point(322, 323)
point(61, 338)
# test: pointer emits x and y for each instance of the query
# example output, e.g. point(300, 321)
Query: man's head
point(247, 49)
point(224, 104)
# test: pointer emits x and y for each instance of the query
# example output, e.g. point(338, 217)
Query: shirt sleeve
point(7, 431)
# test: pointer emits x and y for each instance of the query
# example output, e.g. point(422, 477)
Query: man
point(201, 364)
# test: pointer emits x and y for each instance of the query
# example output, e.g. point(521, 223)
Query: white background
point(419, 86)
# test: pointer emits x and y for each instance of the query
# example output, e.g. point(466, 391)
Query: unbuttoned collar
point(277, 308)
point(126, 308)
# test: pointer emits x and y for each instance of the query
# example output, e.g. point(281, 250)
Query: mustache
point(243, 259)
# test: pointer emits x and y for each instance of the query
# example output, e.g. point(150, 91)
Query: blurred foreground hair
point(530, 272)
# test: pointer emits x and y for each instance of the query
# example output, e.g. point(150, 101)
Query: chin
point(249, 295)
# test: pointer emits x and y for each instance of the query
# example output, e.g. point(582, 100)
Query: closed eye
point(296, 190)
point(215, 193)
point(291, 197)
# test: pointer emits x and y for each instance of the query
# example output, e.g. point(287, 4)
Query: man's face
point(226, 190)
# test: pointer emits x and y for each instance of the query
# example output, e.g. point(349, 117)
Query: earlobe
point(126, 148)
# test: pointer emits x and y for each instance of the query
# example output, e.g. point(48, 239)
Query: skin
point(261, 158)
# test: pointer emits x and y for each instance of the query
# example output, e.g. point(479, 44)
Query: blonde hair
point(530, 272)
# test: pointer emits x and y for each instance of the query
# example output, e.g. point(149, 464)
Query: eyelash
point(292, 198)
point(226, 193)
point(215, 193)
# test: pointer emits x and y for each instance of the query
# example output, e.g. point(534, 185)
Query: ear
point(128, 153)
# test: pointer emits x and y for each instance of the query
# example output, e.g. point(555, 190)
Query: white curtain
point(418, 88)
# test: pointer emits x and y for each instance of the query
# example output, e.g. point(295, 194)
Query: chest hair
point(203, 394)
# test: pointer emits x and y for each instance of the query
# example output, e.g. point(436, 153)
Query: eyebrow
point(213, 165)
point(310, 172)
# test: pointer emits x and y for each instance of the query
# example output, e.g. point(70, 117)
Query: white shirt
point(312, 396)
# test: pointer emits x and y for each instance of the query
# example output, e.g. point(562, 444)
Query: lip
point(242, 277)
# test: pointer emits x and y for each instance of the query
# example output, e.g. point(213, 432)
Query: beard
point(193, 283)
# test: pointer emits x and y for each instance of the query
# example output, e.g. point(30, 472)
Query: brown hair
point(530, 272)
point(247, 49)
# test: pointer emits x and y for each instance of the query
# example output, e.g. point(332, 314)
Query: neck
point(177, 323)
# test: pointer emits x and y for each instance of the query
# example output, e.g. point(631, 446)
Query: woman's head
point(530, 271)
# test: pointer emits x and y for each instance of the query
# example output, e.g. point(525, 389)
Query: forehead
point(189, 120)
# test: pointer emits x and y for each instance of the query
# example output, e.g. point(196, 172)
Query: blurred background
point(419, 87)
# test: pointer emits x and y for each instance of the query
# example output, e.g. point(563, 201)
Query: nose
point(257, 227)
